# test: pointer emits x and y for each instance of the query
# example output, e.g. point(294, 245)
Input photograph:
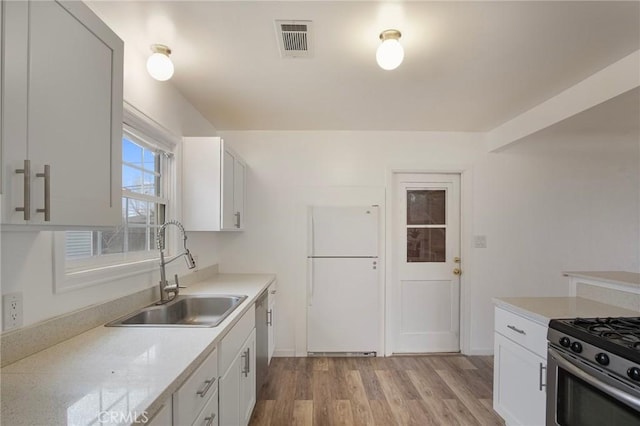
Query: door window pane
point(426, 244)
point(426, 207)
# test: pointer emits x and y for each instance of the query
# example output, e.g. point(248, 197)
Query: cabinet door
point(229, 393)
point(248, 380)
point(65, 73)
point(75, 113)
point(228, 211)
point(519, 395)
point(238, 192)
point(14, 107)
point(271, 327)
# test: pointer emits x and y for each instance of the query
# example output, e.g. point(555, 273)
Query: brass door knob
point(457, 271)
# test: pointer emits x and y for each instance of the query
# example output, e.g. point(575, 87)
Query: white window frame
point(101, 269)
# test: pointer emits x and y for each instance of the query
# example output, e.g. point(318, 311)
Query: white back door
point(426, 251)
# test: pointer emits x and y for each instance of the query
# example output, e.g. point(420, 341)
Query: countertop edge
point(602, 276)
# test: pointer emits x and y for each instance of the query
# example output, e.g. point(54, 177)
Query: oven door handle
point(621, 396)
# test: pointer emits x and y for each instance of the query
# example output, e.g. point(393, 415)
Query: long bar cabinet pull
point(541, 372)
point(47, 192)
point(516, 329)
point(26, 204)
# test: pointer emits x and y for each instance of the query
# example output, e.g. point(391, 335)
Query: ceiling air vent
point(294, 38)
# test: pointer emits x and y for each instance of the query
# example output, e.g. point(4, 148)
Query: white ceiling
point(469, 66)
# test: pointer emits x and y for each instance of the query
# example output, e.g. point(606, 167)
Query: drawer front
point(233, 341)
point(209, 414)
point(523, 331)
point(192, 396)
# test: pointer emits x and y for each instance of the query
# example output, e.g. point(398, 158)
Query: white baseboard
point(284, 353)
point(479, 352)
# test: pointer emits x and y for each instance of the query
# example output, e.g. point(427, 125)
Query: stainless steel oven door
point(581, 395)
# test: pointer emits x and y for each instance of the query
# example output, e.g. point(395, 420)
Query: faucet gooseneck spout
point(165, 287)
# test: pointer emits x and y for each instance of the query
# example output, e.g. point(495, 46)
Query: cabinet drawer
point(233, 341)
point(523, 331)
point(209, 414)
point(192, 396)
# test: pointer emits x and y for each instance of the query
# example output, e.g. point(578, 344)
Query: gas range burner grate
point(623, 331)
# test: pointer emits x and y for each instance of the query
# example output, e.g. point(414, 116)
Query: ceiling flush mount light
point(390, 53)
point(159, 65)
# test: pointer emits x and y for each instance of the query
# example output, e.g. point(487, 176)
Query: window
point(87, 257)
point(144, 204)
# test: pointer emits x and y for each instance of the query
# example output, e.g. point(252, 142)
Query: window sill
point(92, 274)
point(65, 282)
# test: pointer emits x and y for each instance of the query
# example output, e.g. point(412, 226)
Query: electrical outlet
point(12, 311)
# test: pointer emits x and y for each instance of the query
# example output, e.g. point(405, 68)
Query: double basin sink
point(183, 311)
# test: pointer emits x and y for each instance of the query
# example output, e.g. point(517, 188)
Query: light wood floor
point(417, 390)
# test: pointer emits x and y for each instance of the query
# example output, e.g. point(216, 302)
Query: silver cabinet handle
point(542, 368)
point(237, 215)
point(270, 317)
point(517, 330)
point(47, 193)
point(245, 355)
point(209, 420)
point(207, 386)
point(26, 203)
point(248, 359)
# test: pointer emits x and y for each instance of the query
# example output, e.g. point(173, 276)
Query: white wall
point(547, 205)
point(27, 256)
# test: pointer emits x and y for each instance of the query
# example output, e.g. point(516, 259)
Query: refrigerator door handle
point(310, 281)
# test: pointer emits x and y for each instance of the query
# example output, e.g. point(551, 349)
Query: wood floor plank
point(371, 385)
point(479, 411)
point(428, 383)
point(440, 412)
point(282, 412)
point(304, 388)
point(302, 413)
point(393, 396)
point(382, 414)
point(418, 415)
point(362, 414)
point(461, 413)
point(342, 414)
point(460, 363)
point(262, 413)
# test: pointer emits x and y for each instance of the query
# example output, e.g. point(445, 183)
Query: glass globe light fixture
point(390, 53)
point(159, 65)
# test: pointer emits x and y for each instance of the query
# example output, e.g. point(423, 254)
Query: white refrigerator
point(343, 312)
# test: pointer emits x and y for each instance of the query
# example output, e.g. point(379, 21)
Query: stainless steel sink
point(184, 311)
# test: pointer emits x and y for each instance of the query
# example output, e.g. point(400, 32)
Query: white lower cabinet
point(519, 376)
point(198, 392)
point(238, 382)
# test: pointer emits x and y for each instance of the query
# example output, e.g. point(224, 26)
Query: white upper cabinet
point(61, 116)
point(213, 186)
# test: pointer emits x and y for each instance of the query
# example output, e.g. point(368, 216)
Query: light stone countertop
point(616, 277)
point(128, 370)
point(544, 309)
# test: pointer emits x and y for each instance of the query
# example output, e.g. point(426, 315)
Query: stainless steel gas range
point(593, 372)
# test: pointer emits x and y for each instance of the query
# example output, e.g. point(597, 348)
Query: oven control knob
point(576, 347)
point(602, 358)
point(634, 373)
point(564, 341)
